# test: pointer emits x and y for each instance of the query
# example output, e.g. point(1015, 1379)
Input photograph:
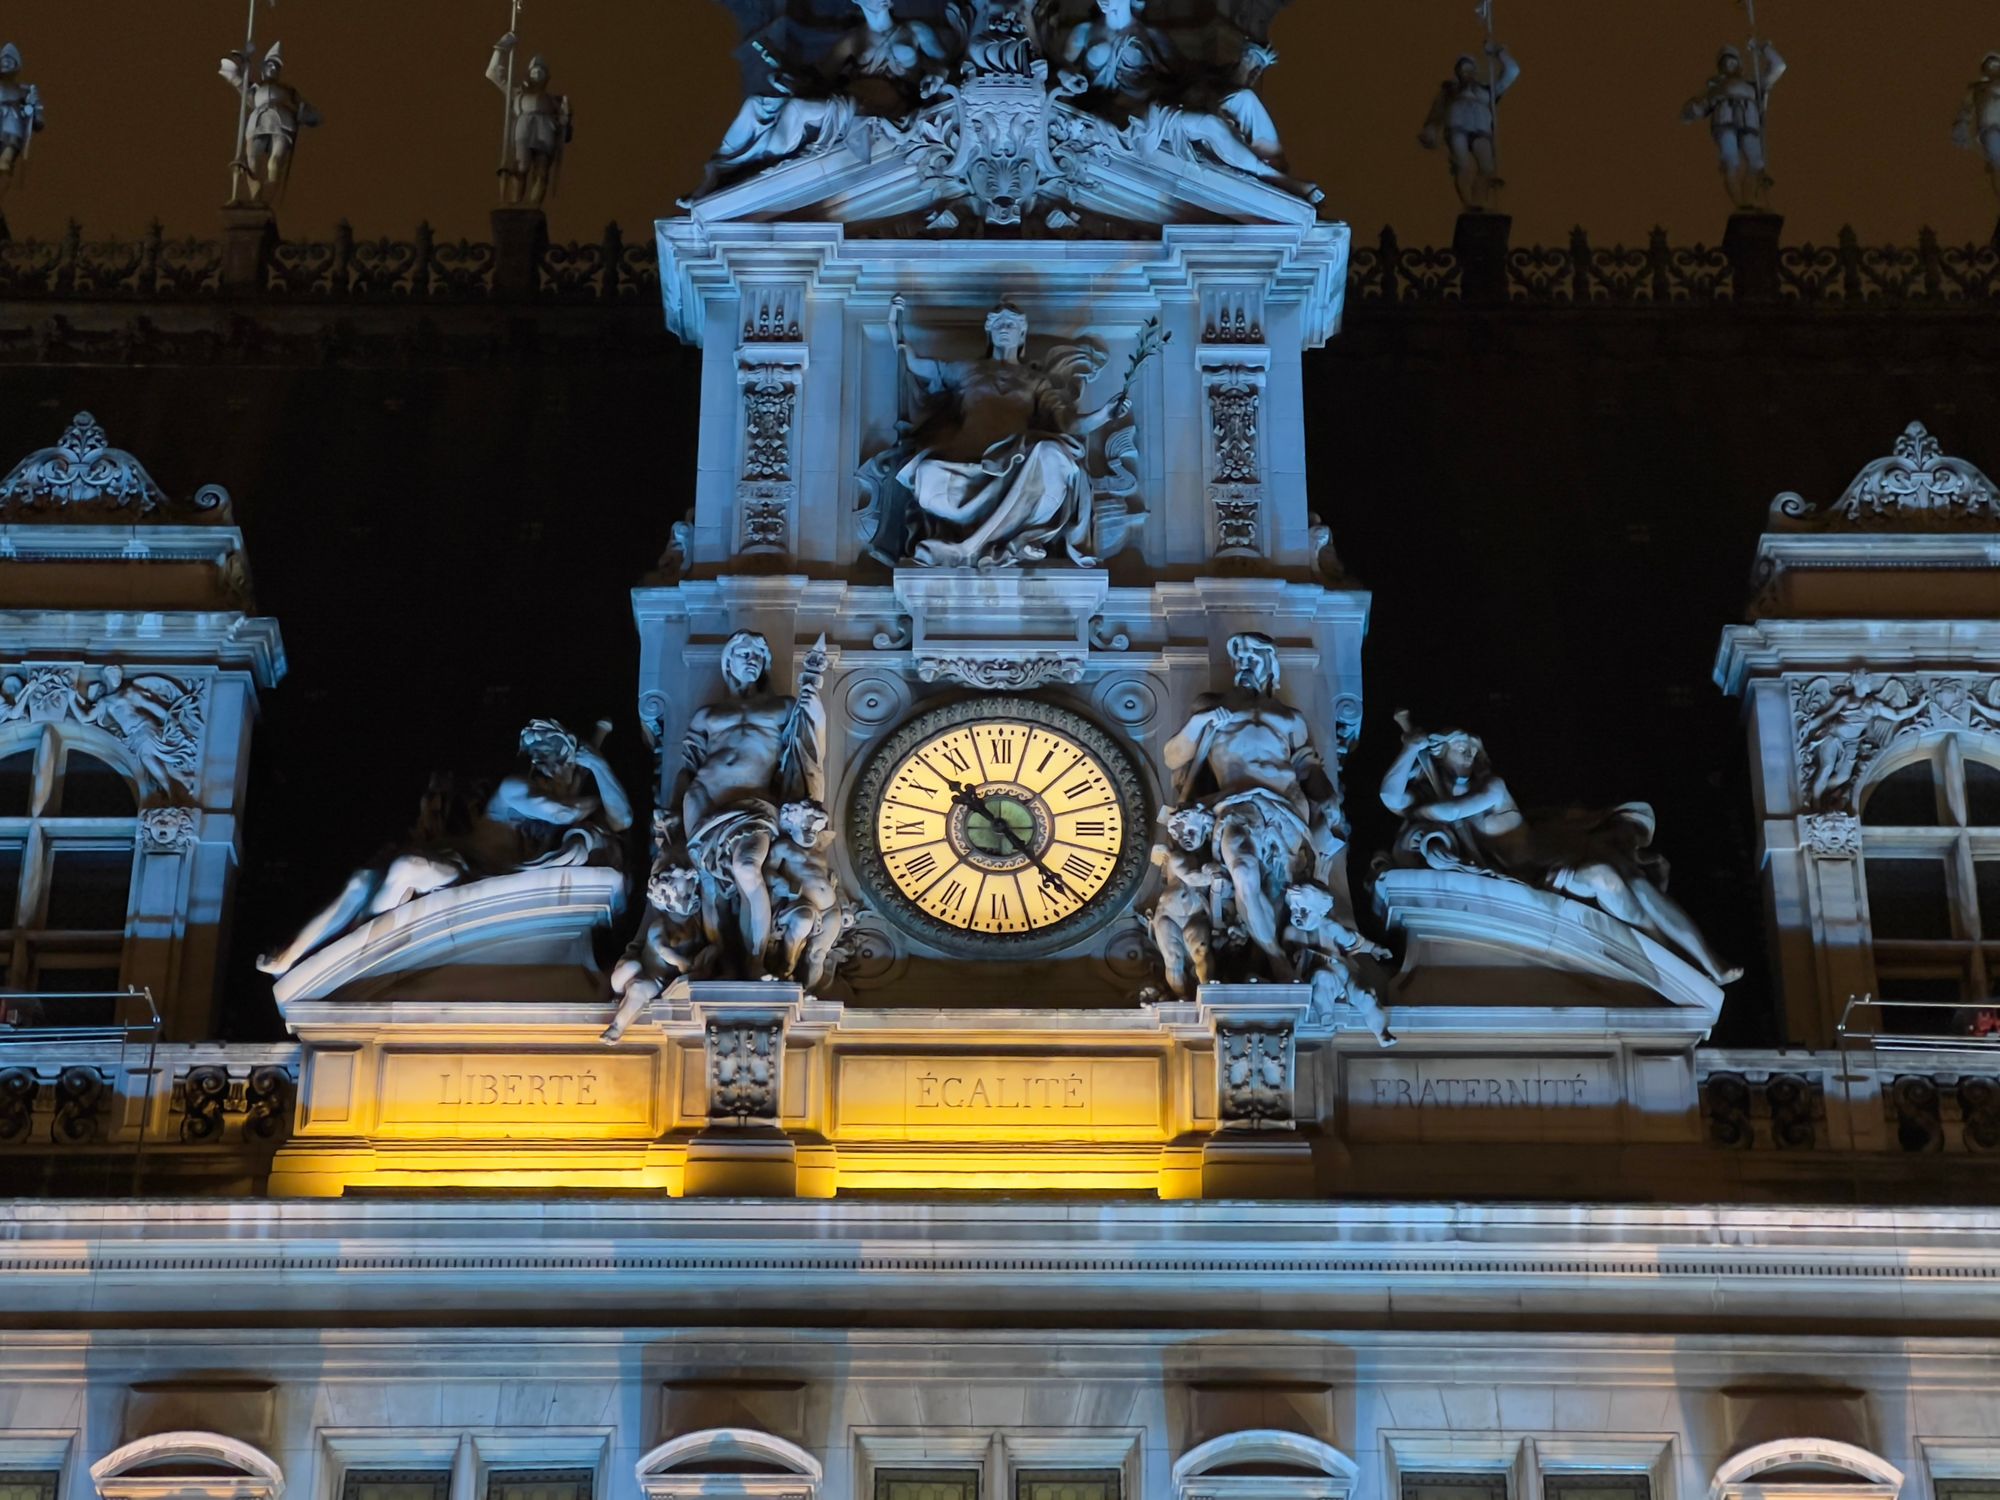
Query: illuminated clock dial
point(1000, 826)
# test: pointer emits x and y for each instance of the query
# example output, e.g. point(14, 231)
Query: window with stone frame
point(1584, 1486)
point(1068, 1484)
point(29, 1484)
point(926, 1484)
point(68, 841)
point(1946, 1488)
point(539, 1484)
point(395, 1484)
point(1454, 1484)
point(1930, 845)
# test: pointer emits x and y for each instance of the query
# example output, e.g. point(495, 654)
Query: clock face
point(1000, 826)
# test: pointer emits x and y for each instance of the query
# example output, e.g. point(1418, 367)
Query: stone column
point(1751, 243)
point(520, 235)
point(248, 237)
point(742, 1151)
point(1257, 1150)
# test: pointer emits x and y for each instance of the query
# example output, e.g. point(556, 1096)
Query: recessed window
point(1627, 1486)
point(1068, 1484)
point(926, 1484)
point(539, 1484)
point(68, 830)
point(1455, 1485)
point(1931, 861)
point(29, 1484)
point(396, 1484)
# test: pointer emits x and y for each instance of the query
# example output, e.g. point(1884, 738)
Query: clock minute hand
point(967, 798)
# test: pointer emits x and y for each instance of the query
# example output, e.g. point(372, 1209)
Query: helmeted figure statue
point(1249, 759)
point(1734, 104)
point(1978, 125)
point(1127, 70)
point(1459, 815)
point(562, 807)
point(997, 464)
point(747, 757)
point(1462, 121)
point(539, 127)
point(274, 113)
point(879, 69)
point(20, 114)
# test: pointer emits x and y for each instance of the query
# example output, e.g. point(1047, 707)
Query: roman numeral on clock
point(1078, 868)
point(1095, 829)
point(920, 866)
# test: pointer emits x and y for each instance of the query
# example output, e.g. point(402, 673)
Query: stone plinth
point(248, 237)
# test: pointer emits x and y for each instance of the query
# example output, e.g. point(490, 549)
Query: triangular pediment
point(941, 174)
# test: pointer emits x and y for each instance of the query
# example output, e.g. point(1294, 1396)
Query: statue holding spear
point(534, 123)
point(20, 115)
point(269, 115)
point(1465, 118)
point(1735, 108)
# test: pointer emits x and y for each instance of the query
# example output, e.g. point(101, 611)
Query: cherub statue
point(1459, 815)
point(560, 808)
point(671, 945)
point(879, 69)
point(1858, 713)
point(1462, 121)
point(1734, 106)
point(273, 113)
point(1976, 129)
point(1189, 914)
point(1322, 947)
point(538, 126)
point(806, 909)
point(21, 114)
point(997, 465)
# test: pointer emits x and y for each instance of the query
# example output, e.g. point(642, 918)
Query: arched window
point(1806, 1469)
point(68, 832)
point(1264, 1464)
point(1931, 849)
point(187, 1466)
point(729, 1463)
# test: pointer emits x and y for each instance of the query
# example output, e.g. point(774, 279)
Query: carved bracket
point(770, 377)
point(1233, 384)
point(1255, 1069)
point(745, 1058)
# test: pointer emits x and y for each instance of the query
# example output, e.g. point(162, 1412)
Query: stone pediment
point(911, 183)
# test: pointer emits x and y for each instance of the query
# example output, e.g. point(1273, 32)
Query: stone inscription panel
point(1479, 1098)
point(518, 1095)
point(967, 1098)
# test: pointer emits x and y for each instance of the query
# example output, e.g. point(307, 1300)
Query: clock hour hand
point(971, 801)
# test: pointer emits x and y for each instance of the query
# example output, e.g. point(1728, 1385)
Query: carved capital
point(1255, 1067)
point(1832, 835)
point(745, 1060)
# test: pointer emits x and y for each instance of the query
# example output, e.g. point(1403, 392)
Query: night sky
point(141, 125)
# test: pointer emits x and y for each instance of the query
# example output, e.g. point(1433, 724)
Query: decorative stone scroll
point(767, 487)
point(83, 471)
point(1916, 488)
point(1017, 673)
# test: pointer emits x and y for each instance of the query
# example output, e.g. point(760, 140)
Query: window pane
point(1966, 1489)
point(1067, 1484)
point(89, 890)
point(17, 783)
point(926, 1484)
point(396, 1484)
point(93, 789)
point(1907, 898)
point(1982, 797)
point(1907, 799)
point(34, 1484)
point(1597, 1487)
point(538, 1484)
point(1491, 1485)
point(10, 883)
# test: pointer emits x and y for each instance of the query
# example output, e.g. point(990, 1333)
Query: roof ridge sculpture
point(1917, 487)
point(82, 470)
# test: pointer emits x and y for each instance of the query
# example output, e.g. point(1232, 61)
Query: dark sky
point(1859, 132)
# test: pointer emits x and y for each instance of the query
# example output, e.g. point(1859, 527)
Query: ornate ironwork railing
point(1383, 276)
